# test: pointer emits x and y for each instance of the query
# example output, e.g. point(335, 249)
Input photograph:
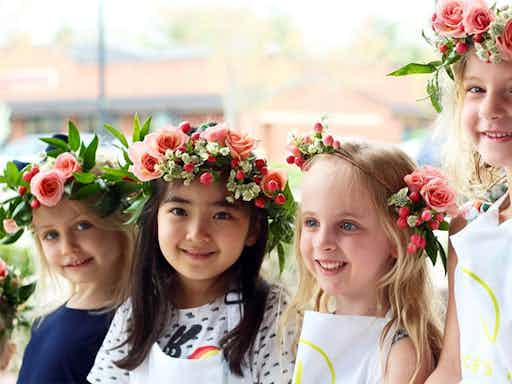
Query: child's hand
point(6, 355)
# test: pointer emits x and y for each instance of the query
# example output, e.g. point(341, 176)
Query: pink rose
point(3, 269)
point(439, 196)
point(167, 138)
point(67, 164)
point(477, 17)
point(48, 187)
point(216, 134)
point(273, 181)
point(10, 226)
point(239, 144)
point(416, 180)
point(504, 41)
point(144, 161)
point(448, 19)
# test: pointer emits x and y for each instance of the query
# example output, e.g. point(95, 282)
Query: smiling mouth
point(198, 254)
point(497, 135)
point(79, 263)
point(331, 266)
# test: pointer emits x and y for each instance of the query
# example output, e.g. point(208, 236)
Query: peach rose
point(448, 19)
point(239, 144)
point(167, 138)
point(144, 161)
point(477, 17)
point(416, 180)
point(439, 196)
point(67, 164)
point(216, 134)
point(272, 182)
point(10, 226)
point(3, 269)
point(504, 41)
point(48, 187)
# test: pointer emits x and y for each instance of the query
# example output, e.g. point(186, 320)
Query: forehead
point(61, 214)
point(335, 184)
point(480, 69)
point(197, 193)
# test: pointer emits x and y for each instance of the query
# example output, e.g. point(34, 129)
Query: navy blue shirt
point(63, 346)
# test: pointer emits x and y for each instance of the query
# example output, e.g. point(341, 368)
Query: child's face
point(342, 241)
point(487, 109)
point(200, 234)
point(75, 247)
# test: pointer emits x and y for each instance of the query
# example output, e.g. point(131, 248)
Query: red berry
point(443, 48)
point(336, 144)
point(260, 163)
point(280, 199)
point(185, 127)
point(264, 171)
point(434, 17)
point(35, 171)
point(240, 175)
point(478, 38)
point(196, 136)
point(34, 204)
point(434, 225)
point(318, 127)
point(189, 167)
point(299, 162)
point(404, 211)
point(257, 179)
point(290, 159)
point(181, 148)
point(211, 159)
point(206, 178)
point(439, 217)
point(402, 223)
point(328, 140)
point(414, 196)
point(295, 151)
point(234, 163)
point(259, 202)
point(411, 249)
point(418, 240)
point(22, 190)
point(426, 215)
point(272, 186)
point(461, 48)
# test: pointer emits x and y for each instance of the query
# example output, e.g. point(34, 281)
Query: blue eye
point(83, 225)
point(475, 90)
point(222, 216)
point(50, 235)
point(311, 223)
point(178, 212)
point(348, 226)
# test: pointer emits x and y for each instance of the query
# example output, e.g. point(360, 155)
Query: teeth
point(497, 135)
point(330, 265)
point(78, 262)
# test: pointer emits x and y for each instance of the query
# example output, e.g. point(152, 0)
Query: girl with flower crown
point(475, 42)
point(199, 311)
point(84, 252)
point(364, 303)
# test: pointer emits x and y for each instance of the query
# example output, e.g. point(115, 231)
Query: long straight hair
point(154, 281)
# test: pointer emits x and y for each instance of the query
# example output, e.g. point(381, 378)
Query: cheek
point(306, 248)
point(469, 118)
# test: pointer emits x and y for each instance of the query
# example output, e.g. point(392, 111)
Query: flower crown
point(458, 26)
point(65, 169)
point(421, 206)
point(206, 153)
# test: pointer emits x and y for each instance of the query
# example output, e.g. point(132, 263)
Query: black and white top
point(195, 333)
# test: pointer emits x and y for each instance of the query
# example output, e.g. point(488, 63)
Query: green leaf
point(282, 257)
point(414, 68)
point(145, 128)
point(127, 187)
point(443, 255)
point(12, 174)
point(84, 178)
point(117, 134)
point(25, 292)
point(431, 247)
point(9, 239)
point(90, 155)
point(135, 209)
point(73, 136)
point(22, 204)
point(449, 72)
point(136, 129)
point(55, 152)
point(444, 226)
point(56, 143)
point(86, 191)
point(108, 203)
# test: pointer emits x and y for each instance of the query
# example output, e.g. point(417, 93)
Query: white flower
point(224, 151)
point(213, 148)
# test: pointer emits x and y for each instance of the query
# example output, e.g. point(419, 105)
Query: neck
point(194, 293)
point(91, 296)
point(359, 306)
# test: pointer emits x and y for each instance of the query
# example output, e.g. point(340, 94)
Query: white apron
point(340, 349)
point(483, 294)
point(161, 368)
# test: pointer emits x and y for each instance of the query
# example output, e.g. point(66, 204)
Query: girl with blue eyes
point(364, 303)
point(199, 310)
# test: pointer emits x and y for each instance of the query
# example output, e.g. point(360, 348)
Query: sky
point(324, 23)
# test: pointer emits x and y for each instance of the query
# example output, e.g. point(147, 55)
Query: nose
point(325, 240)
point(69, 244)
point(492, 106)
point(198, 230)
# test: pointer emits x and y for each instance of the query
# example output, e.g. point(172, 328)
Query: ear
point(253, 233)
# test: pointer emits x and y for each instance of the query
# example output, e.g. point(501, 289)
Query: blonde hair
point(406, 288)
point(468, 173)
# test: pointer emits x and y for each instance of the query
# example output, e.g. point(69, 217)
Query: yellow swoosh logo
point(487, 288)
point(298, 375)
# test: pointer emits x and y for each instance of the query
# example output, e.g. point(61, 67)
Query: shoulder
point(401, 363)
point(277, 300)
point(458, 223)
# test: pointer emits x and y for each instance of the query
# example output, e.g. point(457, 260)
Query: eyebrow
point(181, 200)
point(342, 213)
